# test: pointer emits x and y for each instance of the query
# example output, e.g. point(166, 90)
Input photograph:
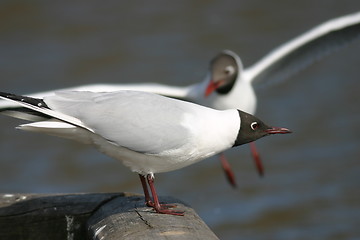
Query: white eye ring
point(254, 125)
point(229, 70)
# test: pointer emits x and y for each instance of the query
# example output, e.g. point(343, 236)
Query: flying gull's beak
point(211, 87)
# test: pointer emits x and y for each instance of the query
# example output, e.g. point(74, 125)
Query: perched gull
point(228, 85)
point(148, 133)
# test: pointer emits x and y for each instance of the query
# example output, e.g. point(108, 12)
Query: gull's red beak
point(211, 87)
point(277, 130)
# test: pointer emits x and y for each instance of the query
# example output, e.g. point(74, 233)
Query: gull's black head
point(252, 128)
point(224, 71)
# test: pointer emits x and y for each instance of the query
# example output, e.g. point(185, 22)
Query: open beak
point(211, 87)
point(277, 130)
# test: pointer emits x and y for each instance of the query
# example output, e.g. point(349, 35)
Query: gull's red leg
point(227, 169)
point(148, 201)
point(156, 204)
point(257, 159)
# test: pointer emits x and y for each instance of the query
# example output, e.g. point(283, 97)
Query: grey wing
point(165, 90)
point(305, 49)
point(142, 122)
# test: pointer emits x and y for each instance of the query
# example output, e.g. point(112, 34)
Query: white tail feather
point(58, 128)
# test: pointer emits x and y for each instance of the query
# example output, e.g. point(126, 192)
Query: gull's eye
point(229, 70)
point(254, 125)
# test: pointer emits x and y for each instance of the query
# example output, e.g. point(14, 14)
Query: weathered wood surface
point(130, 219)
point(104, 216)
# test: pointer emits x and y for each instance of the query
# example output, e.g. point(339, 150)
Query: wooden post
point(102, 216)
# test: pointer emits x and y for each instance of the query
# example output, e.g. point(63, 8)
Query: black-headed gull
point(228, 85)
point(148, 133)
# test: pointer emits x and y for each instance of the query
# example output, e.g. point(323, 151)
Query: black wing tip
point(5, 94)
point(32, 101)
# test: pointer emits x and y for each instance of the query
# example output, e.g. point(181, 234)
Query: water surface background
point(311, 187)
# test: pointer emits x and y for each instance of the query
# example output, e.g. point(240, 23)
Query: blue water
point(311, 187)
